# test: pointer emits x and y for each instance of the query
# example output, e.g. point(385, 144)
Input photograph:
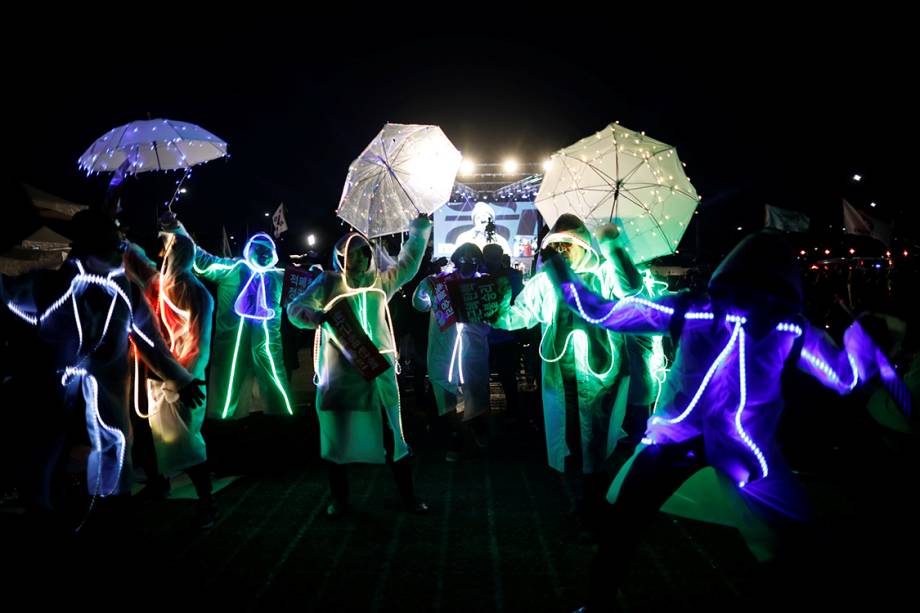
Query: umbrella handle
point(185, 175)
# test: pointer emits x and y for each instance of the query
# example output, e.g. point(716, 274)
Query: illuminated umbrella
point(624, 177)
point(405, 171)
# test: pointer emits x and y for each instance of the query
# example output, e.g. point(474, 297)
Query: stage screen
point(516, 227)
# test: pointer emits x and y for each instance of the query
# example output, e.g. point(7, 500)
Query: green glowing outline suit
point(601, 366)
point(244, 350)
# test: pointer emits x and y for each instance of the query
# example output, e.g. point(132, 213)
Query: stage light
point(510, 166)
point(467, 167)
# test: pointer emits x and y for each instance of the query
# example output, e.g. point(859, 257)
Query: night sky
point(783, 118)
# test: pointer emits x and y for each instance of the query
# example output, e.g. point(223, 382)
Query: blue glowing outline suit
point(88, 314)
point(247, 331)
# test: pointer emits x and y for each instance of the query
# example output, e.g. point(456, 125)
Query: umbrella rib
point(603, 201)
point(175, 142)
point(654, 220)
point(124, 130)
point(638, 203)
point(156, 152)
point(661, 186)
point(393, 173)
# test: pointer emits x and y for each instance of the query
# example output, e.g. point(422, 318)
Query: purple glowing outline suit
point(725, 381)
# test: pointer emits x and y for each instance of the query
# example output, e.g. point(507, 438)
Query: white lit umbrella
point(405, 171)
point(624, 177)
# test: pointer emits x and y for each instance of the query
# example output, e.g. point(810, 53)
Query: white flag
point(857, 222)
point(225, 251)
point(279, 221)
point(786, 220)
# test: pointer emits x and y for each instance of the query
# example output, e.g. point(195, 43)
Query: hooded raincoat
point(348, 405)
point(600, 363)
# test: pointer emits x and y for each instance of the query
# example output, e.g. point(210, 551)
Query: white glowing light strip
point(825, 368)
point(92, 407)
point(76, 316)
point(458, 344)
point(765, 470)
point(699, 392)
point(317, 345)
point(648, 303)
point(141, 334)
point(137, 376)
point(631, 299)
point(561, 237)
point(108, 319)
point(699, 315)
point(16, 310)
point(787, 327)
point(57, 304)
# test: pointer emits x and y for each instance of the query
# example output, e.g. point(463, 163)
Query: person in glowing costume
point(585, 370)
point(458, 357)
point(722, 400)
point(87, 315)
point(247, 330)
point(360, 419)
point(184, 310)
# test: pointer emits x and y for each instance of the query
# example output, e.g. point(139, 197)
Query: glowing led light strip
point(832, 377)
point(91, 396)
point(387, 317)
point(699, 392)
point(216, 266)
point(630, 299)
point(458, 343)
point(765, 470)
point(274, 372)
point(236, 350)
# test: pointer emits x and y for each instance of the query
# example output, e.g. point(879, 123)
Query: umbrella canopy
point(625, 177)
point(153, 144)
point(406, 170)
